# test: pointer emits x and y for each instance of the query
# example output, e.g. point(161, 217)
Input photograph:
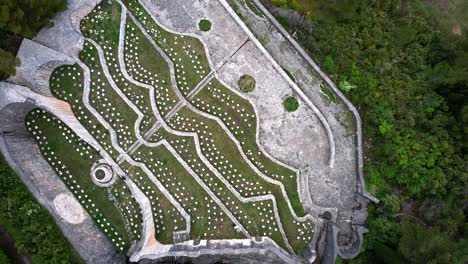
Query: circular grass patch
point(100, 174)
point(204, 25)
point(246, 83)
point(291, 104)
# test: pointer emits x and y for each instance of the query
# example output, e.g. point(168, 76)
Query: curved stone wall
point(23, 155)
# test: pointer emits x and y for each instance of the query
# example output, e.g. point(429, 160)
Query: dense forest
point(404, 64)
point(32, 228)
point(34, 231)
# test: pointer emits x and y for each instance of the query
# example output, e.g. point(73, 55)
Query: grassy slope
point(166, 217)
point(72, 159)
point(239, 116)
point(247, 214)
point(105, 30)
point(66, 83)
point(107, 101)
point(219, 141)
point(186, 71)
point(203, 210)
point(109, 39)
point(150, 63)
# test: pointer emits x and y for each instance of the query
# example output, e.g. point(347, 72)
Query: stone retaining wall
point(23, 155)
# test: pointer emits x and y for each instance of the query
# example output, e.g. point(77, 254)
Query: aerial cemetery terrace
point(172, 129)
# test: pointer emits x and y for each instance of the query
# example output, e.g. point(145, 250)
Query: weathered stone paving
point(161, 149)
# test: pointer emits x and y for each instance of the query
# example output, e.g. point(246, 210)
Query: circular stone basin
point(102, 175)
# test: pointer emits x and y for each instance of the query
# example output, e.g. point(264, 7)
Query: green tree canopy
point(26, 17)
point(406, 69)
point(3, 258)
point(29, 224)
point(8, 62)
point(22, 19)
point(425, 246)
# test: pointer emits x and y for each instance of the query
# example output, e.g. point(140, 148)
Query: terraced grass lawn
point(72, 159)
point(67, 84)
point(240, 118)
point(248, 214)
point(222, 153)
point(107, 102)
point(146, 64)
point(149, 61)
point(167, 219)
point(208, 219)
point(103, 26)
point(187, 53)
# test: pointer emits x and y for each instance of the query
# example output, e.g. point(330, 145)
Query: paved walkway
point(161, 123)
point(284, 49)
point(349, 105)
point(63, 111)
point(226, 130)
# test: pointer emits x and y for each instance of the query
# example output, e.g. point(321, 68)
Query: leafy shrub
point(346, 87)
point(290, 4)
point(204, 25)
point(291, 104)
point(3, 258)
point(329, 64)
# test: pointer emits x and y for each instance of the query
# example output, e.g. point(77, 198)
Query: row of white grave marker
point(190, 63)
point(178, 56)
point(84, 151)
point(185, 190)
point(60, 87)
point(245, 185)
point(187, 151)
point(161, 215)
point(107, 101)
point(164, 95)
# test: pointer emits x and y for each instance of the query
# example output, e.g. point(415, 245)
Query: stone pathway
point(148, 245)
point(161, 123)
